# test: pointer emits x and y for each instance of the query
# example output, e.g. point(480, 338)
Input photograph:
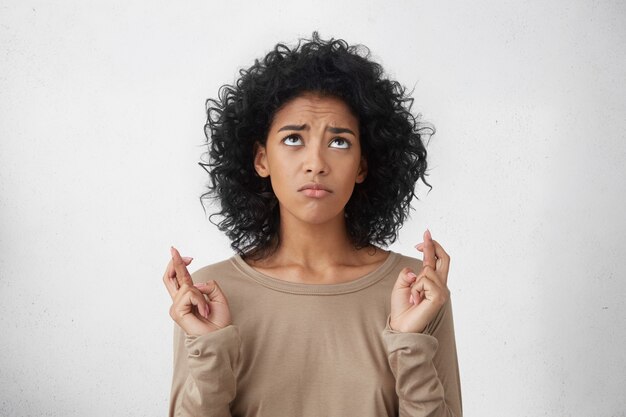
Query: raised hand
point(198, 308)
point(416, 299)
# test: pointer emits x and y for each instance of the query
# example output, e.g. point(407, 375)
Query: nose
point(314, 160)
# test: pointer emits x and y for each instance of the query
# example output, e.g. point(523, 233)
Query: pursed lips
point(314, 186)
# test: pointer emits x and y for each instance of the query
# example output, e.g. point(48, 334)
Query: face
point(312, 139)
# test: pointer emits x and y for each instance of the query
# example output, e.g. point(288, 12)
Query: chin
point(314, 214)
point(322, 218)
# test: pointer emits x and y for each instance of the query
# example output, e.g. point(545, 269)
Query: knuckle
point(186, 290)
point(440, 298)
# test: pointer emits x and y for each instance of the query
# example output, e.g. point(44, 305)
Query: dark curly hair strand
point(391, 141)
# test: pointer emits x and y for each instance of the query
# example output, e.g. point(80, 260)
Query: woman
point(313, 158)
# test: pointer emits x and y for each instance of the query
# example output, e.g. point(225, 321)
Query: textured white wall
point(101, 126)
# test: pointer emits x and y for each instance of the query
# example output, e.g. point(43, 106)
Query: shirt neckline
point(317, 289)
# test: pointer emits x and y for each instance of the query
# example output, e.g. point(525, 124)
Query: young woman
point(313, 157)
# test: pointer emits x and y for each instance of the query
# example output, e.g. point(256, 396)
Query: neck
point(315, 246)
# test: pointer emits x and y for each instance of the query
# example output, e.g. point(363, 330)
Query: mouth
point(314, 186)
point(311, 192)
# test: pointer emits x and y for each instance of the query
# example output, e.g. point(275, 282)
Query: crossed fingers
point(176, 273)
point(436, 258)
point(435, 267)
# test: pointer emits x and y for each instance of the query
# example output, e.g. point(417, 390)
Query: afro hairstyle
point(390, 137)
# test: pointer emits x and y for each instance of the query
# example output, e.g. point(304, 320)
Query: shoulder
point(406, 261)
point(392, 268)
point(215, 271)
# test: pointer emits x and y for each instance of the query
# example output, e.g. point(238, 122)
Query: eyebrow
point(306, 127)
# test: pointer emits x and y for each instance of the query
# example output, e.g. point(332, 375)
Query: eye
point(287, 139)
point(346, 142)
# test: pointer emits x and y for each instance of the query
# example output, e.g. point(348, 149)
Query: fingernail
point(411, 275)
point(419, 245)
point(198, 284)
point(187, 259)
point(206, 312)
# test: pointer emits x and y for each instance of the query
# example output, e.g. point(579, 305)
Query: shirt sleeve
point(204, 377)
point(425, 367)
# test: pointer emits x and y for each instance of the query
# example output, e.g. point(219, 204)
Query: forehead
point(314, 106)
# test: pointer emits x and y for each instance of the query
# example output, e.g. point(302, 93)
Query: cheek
point(280, 183)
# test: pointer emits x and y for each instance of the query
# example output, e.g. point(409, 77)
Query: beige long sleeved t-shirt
point(313, 350)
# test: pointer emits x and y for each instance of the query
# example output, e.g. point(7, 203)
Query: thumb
point(212, 290)
point(219, 312)
point(401, 292)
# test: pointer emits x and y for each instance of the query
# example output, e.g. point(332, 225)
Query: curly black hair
point(390, 137)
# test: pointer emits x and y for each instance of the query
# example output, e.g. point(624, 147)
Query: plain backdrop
point(101, 128)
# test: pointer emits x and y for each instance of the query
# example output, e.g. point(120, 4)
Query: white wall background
point(101, 126)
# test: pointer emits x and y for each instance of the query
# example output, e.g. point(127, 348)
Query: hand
point(197, 308)
point(415, 300)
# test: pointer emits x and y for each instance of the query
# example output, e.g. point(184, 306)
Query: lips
point(314, 186)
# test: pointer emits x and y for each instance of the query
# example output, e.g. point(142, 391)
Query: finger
point(416, 296)
point(406, 278)
point(431, 274)
point(400, 295)
point(171, 272)
point(182, 274)
point(189, 296)
point(169, 277)
point(186, 259)
point(212, 290)
point(199, 301)
point(171, 284)
point(443, 259)
point(426, 288)
point(429, 250)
